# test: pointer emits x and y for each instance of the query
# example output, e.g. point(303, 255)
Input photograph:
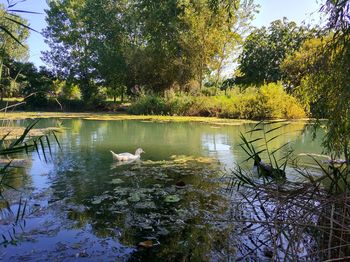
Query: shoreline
point(122, 116)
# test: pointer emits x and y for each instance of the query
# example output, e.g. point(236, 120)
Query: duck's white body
point(127, 156)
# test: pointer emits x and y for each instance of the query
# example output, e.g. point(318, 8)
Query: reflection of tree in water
point(76, 125)
point(13, 179)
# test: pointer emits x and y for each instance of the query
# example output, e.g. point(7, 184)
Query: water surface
point(81, 204)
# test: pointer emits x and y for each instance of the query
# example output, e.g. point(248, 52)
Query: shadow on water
point(170, 205)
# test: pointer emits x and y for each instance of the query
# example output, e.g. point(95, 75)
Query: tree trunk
point(1, 66)
point(346, 152)
point(200, 77)
point(219, 69)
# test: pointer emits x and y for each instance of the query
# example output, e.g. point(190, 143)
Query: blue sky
point(270, 10)
point(300, 11)
point(37, 21)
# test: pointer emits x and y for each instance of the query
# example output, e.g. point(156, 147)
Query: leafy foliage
point(297, 65)
point(270, 101)
point(331, 82)
point(319, 71)
point(265, 49)
point(14, 31)
point(141, 42)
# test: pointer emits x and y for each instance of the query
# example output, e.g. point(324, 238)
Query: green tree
point(140, 42)
point(35, 84)
point(68, 90)
point(296, 66)
point(265, 49)
point(109, 42)
point(331, 81)
point(12, 37)
point(320, 71)
point(208, 35)
point(71, 52)
point(158, 23)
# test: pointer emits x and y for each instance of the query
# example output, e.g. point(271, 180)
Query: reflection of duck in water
point(127, 157)
point(116, 164)
point(266, 170)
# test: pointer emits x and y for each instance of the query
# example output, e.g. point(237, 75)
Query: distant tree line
point(154, 44)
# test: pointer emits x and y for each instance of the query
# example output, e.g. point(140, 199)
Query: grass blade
point(21, 24)
point(42, 148)
point(24, 135)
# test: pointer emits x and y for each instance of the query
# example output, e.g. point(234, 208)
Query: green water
point(83, 205)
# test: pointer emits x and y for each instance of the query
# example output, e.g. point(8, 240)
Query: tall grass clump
point(267, 102)
point(306, 219)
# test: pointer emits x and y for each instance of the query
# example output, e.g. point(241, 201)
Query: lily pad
point(146, 205)
point(146, 190)
point(96, 202)
point(117, 181)
point(98, 199)
point(183, 213)
point(172, 199)
point(161, 176)
point(122, 191)
point(122, 203)
point(134, 197)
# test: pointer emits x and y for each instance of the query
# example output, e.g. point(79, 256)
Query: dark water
point(81, 205)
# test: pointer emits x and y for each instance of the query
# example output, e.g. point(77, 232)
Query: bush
point(210, 91)
point(179, 105)
point(276, 103)
point(150, 105)
point(268, 102)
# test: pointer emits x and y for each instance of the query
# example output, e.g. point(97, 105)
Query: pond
point(172, 205)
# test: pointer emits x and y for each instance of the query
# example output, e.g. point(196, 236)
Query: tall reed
point(289, 220)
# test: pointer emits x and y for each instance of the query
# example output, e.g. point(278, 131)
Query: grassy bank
point(119, 116)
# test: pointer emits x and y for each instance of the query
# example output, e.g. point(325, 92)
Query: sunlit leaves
point(265, 49)
point(152, 44)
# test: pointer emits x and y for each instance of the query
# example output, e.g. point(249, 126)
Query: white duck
point(128, 156)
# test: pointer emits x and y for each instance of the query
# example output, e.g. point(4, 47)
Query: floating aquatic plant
point(117, 181)
point(134, 197)
point(172, 199)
